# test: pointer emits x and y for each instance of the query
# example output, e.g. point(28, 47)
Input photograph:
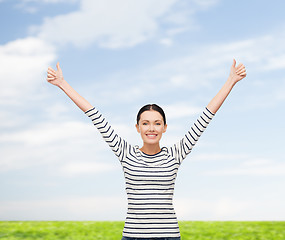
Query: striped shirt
point(150, 179)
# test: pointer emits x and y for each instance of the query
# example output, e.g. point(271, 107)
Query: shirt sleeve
point(118, 145)
point(182, 148)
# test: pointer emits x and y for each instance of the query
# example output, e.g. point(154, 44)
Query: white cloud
point(52, 1)
point(57, 143)
point(213, 62)
point(207, 66)
point(111, 24)
point(115, 208)
point(58, 112)
point(60, 142)
point(240, 165)
point(46, 1)
point(197, 70)
point(221, 157)
point(181, 109)
point(119, 24)
point(227, 208)
point(82, 168)
point(223, 208)
point(206, 3)
point(173, 31)
point(264, 53)
point(255, 167)
point(32, 6)
point(166, 42)
point(179, 80)
point(257, 162)
point(8, 120)
point(47, 133)
point(23, 63)
point(65, 208)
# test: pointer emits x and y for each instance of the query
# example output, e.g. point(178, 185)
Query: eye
point(144, 123)
point(158, 123)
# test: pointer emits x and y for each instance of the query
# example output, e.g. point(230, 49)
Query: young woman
point(150, 171)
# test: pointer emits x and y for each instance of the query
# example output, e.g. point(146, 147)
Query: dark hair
point(150, 107)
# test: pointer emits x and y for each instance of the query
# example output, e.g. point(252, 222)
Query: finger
point(242, 70)
point(51, 69)
point(51, 73)
point(239, 66)
point(234, 63)
point(50, 76)
point(242, 75)
point(57, 66)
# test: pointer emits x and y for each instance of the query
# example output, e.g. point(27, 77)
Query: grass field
point(113, 230)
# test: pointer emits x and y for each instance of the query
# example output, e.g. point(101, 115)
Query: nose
point(151, 127)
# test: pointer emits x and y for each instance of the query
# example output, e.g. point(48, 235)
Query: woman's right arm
point(117, 144)
point(55, 77)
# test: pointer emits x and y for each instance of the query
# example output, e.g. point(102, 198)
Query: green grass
point(113, 230)
point(232, 230)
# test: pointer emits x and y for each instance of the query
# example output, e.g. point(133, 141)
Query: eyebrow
point(154, 120)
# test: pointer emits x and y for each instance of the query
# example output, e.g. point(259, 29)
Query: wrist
point(230, 82)
point(62, 85)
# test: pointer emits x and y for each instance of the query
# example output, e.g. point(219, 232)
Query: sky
point(121, 55)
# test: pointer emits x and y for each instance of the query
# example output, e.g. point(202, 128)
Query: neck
point(151, 149)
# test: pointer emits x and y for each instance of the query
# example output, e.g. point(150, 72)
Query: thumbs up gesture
point(237, 73)
point(55, 77)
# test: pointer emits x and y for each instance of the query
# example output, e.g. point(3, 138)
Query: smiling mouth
point(151, 135)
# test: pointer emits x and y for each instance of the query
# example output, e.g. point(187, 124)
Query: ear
point(165, 128)
point(138, 128)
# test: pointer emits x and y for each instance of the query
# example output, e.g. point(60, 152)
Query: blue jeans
point(170, 238)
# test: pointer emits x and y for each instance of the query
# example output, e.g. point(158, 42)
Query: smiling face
point(151, 127)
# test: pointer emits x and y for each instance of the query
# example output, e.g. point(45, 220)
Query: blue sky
point(121, 55)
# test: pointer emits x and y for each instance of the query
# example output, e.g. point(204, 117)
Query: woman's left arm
point(182, 148)
point(236, 74)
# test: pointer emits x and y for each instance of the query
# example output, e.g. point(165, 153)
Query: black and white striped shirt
point(150, 179)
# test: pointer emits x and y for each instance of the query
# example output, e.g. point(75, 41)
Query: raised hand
point(237, 73)
point(55, 77)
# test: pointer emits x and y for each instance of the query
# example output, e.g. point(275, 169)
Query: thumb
point(57, 66)
point(234, 63)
